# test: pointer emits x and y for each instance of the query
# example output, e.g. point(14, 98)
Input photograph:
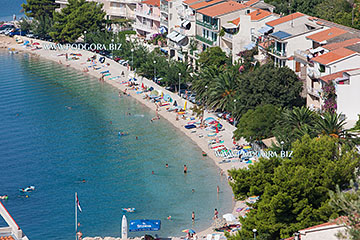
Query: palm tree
point(299, 116)
point(223, 91)
point(205, 78)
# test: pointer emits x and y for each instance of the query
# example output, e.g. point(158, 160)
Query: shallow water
point(59, 126)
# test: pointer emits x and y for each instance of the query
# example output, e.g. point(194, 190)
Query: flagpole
point(75, 217)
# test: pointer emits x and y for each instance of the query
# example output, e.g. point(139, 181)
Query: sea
point(60, 126)
point(9, 8)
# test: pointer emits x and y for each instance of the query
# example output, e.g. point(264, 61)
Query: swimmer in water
point(152, 172)
point(166, 165)
point(193, 190)
point(137, 138)
point(84, 181)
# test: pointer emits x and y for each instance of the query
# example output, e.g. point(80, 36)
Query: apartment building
point(243, 33)
point(113, 8)
point(147, 18)
point(288, 35)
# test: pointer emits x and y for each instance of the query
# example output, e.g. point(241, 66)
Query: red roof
point(251, 2)
point(221, 8)
point(326, 34)
point(188, 2)
point(333, 46)
point(333, 56)
point(331, 77)
point(337, 221)
point(205, 4)
point(236, 21)
point(152, 2)
point(259, 14)
point(285, 19)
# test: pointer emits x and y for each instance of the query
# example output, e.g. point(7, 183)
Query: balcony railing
point(273, 50)
point(146, 28)
point(207, 25)
point(314, 92)
point(147, 14)
point(228, 37)
point(164, 22)
point(190, 18)
point(205, 40)
point(164, 8)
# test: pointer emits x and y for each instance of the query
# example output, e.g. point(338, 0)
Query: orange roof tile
point(205, 4)
point(333, 46)
point(285, 19)
point(188, 2)
point(333, 56)
point(222, 8)
point(236, 21)
point(251, 2)
point(259, 14)
point(326, 34)
point(331, 77)
point(152, 2)
point(337, 221)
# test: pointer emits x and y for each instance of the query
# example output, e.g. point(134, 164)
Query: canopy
point(144, 225)
point(179, 38)
point(281, 35)
point(185, 23)
point(229, 217)
point(250, 46)
point(265, 29)
point(154, 92)
point(172, 35)
point(209, 119)
point(229, 25)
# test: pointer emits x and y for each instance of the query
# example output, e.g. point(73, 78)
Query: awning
point(265, 29)
point(318, 49)
point(163, 50)
point(179, 37)
point(281, 35)
point(185, 23)
point(229, 26)
point(172, 35)
point(163, 29)
point(250, 46)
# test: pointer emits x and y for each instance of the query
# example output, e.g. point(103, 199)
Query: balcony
point(313, 73)
point(146, 28)
point(148, 15)
point(190, 18)
point(164, 8)
point(274, 51)
point(314, 92)
point(228, 37)
point(118, 12)
point(205, 40)
point(164, 22)
point(207, 25)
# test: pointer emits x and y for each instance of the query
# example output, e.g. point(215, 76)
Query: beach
point(116, 69)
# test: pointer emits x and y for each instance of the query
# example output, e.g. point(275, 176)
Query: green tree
point(295, 194)
point(75, 18)
point(257, 124)
point(42, 26)
point(348, 203)
point(203, 82)
point(25, 24)
point(268, 85)
point(357, 124)
point(213, 56)
point(39, 8)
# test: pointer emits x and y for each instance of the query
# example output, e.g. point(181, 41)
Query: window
point(248, 11)
point(171, 4)
point(322, 68)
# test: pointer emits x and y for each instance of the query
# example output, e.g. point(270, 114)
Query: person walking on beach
point(218, 189)
point(216, 214)
point(66, 56)
point(185, 169)
point(193, 216)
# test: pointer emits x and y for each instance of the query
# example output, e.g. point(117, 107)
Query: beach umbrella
point(154, 92)
point(189, 231)
point(229, 217)
point(142, 85)
point(36, 43)
point(124, 228)
point(209, 119)
point(185, 105)
point(144, 225)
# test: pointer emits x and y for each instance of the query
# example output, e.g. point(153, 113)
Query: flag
point(78, 203)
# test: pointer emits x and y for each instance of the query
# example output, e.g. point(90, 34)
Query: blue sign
point(144, 225)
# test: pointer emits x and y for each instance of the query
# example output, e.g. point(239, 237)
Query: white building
point(147, 18)
point(113, 8)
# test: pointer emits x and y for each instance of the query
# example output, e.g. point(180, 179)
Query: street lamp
point(85, 36)
point(282, 145)
point(132, 58)
point(154, 70)
point(179, 83)
point(112, 49)
point(206, 87)
point(254, 231)
point(234, 113)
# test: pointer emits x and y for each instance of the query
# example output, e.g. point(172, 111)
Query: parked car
point(6, 30)
point(30, 35)
point(17, 32)
point(117, 59)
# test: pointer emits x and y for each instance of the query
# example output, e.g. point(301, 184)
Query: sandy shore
point(116, 69)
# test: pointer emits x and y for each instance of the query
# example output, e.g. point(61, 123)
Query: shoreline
point(116, 69)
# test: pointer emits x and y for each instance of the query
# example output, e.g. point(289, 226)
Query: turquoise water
point(46, 144)
point(10, 7)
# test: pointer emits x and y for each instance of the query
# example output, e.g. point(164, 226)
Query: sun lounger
point(209, 237)
point(104, 72)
